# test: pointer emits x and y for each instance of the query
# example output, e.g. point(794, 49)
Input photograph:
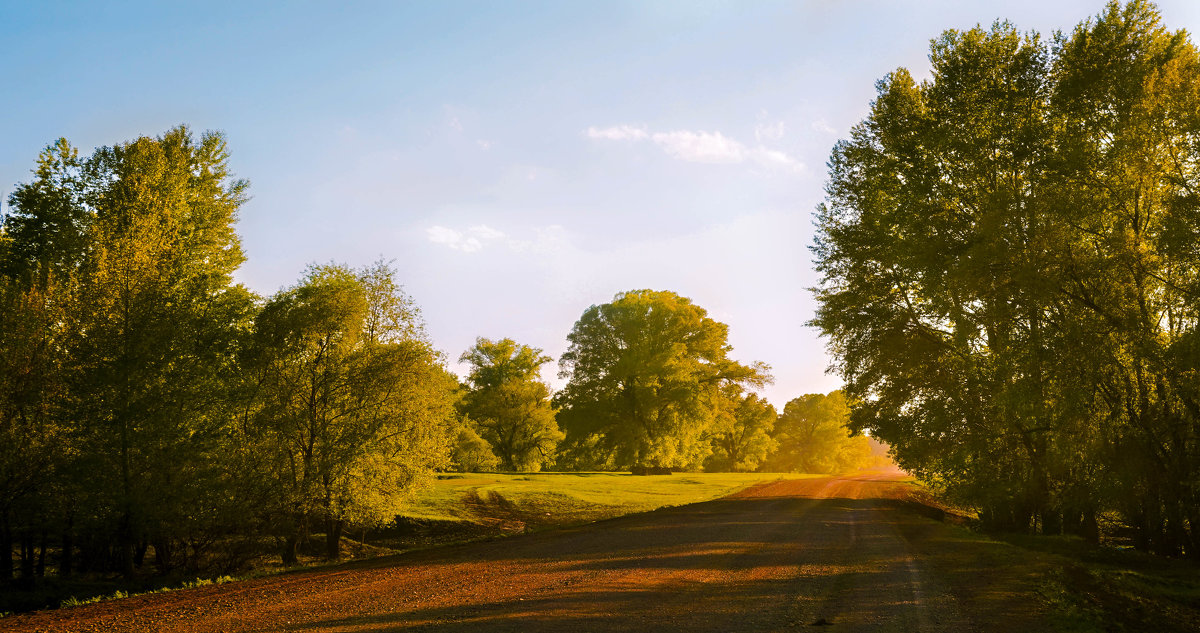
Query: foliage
point(352, 407)
point(133, 249)
point(646, 373)
point(472, 453)
point(509, 404)
point(742, 438)
point(812, 437)
point(148, 404)
point(1010, 274)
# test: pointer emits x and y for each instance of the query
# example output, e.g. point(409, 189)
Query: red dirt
point(784, 554)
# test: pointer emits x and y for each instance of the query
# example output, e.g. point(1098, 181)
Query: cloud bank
point(702, 146)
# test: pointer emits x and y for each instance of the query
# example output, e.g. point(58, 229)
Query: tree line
point(151, 404)
point(1011, 278)
point(154, 414)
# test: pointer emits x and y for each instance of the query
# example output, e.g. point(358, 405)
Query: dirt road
point(789, 554)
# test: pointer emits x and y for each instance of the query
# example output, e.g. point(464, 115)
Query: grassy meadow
point(502, 502)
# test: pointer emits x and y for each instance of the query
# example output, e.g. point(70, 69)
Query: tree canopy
point(812, 437)
point(646, 373)
point(1010, 274)
point(741, 436)
point(150, 404)
point(350, 405)
point(510, 404)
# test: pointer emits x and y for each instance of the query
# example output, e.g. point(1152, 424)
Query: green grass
point(561, 498)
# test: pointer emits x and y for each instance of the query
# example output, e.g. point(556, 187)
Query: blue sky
point(517, 161)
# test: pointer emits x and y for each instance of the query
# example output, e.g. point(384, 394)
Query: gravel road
point(841, 551)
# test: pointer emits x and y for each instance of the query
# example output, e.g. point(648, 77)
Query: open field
point(564, 498)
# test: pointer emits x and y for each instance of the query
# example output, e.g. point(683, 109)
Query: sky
point(516, 162)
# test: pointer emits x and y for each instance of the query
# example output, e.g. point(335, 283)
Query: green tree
point(1009, 274)
point(742, 437)
point(510, 404)
point(472, 453)
point(46, 229)
point(352, 406)
point(812, 437)
point(32, 434)
point(645, 378)
point(138, 241)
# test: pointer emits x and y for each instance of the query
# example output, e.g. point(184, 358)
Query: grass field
point(537, 499)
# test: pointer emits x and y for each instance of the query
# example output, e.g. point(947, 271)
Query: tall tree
point(32, 432)
point(510, 404)
point(1010, 274)
point(140, 235)
point(645, 374)
point(352, 406)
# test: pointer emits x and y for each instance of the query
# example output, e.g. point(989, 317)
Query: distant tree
point(510, 404)
point(472, 453)
point(812, 437)
point(646, 373)
point(742, 437)
point(352, 406)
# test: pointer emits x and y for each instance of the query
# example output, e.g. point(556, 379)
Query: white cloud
point(774, 158)
point(702, 146)
point(823, 127)
point(470, 241)
point(544, 239)
point(484, 144)
point(485, 232)
point(617, 133)
point(769, 131)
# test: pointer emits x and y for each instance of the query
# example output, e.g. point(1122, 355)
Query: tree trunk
point(290, 545)
point(1091, 528)
point(139, 553)
point(162, 555)
point(6, 545)
point(41, 559)
point(333, 538)
point(27, 581)
point(67, 558)
point(125, 546)
point(1052, 522)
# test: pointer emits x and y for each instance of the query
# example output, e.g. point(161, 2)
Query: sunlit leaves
point(1008, 254)
point(645, 372)
point(509, 404)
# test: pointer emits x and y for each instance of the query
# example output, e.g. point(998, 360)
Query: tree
point(136, 246)
point(510, 404)
point(351, 406)
point(645, 376)
point(32, 432)
point(1009, 274)
point(742, 437)
point(812, 437)
point(472, 453)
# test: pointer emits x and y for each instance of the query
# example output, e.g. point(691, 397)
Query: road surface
point(836, 551)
